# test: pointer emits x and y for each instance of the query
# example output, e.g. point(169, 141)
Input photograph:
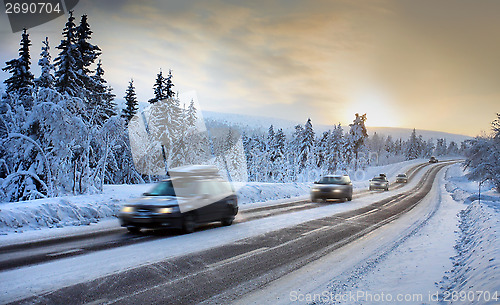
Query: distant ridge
point(262, 123)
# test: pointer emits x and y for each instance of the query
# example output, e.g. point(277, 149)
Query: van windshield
point(178, 188)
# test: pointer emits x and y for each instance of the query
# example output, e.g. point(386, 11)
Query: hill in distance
point(262, 123)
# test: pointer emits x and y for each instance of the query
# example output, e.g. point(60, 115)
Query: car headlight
point(314, 190)
point(166, 210)
point(127, 209)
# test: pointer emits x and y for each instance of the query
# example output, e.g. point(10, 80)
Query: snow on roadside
point(475, 276)
point(86, 209)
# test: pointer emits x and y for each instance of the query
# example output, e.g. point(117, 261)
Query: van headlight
point(168, 210)
point(127, 209)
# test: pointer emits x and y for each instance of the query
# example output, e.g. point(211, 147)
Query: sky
point(426, 64)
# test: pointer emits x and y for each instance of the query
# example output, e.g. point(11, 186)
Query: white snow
point(477, 263)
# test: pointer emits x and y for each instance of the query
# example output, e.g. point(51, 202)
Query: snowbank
point(477, 263)
point(66, 211)
point(86, 209)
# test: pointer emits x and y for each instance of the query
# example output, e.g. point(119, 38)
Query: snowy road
point(219, 264)
point(34, 252)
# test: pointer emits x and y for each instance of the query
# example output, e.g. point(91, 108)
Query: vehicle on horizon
point(402, 178)
point(191, 195)
point(433, 160)
point(332, 187)
point(379, 183)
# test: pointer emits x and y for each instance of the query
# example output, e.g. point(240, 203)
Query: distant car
point(433, 160)
point(401, 178)
point(192, 195)
point(332, 187)
point(379, 183)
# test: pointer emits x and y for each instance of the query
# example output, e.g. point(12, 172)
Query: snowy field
point(89, 209)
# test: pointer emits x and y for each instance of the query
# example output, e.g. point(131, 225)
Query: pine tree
point(412, 151)
point(335, 143)
point(160, 88)
point(169, 85)
point(441, 147)
point(270, 143)
point(46, 79)
point(452, 149)
point(130, 103)
point(102, 103)
point(306, 147)
point(389, 145)
point(191, 114)
point(88, 52)
point(295, 144)
point(21, 80)
point(357, 135)
point(67, 77)
point(279, 156)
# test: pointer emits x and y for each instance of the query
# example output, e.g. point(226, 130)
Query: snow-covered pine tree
point(306, 148)
point(377, 145)
point(180, 149)
point(441, 147)
point(271, 154)
point(280, 167)
point(412, 150)
point(357, 135)
point(130, 103)
point(428, 148)
point(389, 145)
point(335, 148)
point(21, 81)
point(46, 79)
point(322, 149)
point(452, 149)
point(191, 116)
point(294, 150)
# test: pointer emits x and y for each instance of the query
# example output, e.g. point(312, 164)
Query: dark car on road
point(402, 178)
point(433, 160)
point(332, 187)
point(379, 183)
point(191, 196)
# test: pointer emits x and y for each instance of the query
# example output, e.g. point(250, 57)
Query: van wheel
point(188, 224)
point(349, 198)
point(227, 221)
